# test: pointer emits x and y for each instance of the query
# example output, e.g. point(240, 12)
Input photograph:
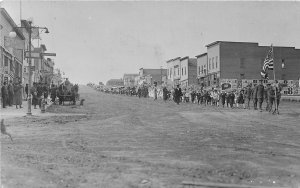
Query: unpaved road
point(119, 141)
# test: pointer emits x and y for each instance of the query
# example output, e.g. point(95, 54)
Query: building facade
point(129, 79)
point(188, 71)
point(149, 76)
point(115, 83)
point(11, 49)
point(240, 63)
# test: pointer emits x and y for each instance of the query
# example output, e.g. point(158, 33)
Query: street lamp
point(13, 35)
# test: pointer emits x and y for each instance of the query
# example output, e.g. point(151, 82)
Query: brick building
point(239, 63)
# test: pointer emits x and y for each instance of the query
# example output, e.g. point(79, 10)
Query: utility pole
point(29, 84)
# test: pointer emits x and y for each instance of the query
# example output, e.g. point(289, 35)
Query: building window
point(178, 72)
point(213, 64)
point(202, 69)
point(254, 81)
point(11, 65)
point(182, 71)
point(174, 72)
point(185, 70)
point(170, 72)
point(209, 64)
point(199, 70)
point(216, 62)
point(5, 61)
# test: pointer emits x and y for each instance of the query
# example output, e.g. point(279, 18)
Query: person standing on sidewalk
point(26, 91)
point(4, 95)
point(10, 97)
point(18, 88)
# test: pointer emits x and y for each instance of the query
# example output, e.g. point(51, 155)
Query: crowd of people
point(229, 98)
point(233, 98)
point(12, 94)
point(15, 93)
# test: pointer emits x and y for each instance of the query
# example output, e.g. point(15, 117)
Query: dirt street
point(119, 141)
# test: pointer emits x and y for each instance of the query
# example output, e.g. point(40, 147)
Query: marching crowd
point(256, 94)
point(233, 98)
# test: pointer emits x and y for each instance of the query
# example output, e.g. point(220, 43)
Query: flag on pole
point(268, 64)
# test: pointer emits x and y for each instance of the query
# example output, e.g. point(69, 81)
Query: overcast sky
point(96, 41)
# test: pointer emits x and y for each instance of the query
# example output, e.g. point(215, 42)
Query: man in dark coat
point(53, 93)
point(259, 93)
point(266, 96)
point(26, 91)
point(254, 97)
point(4, 95)
point(10, 97)
point(177, 94)
point(247, 96)
point(165, 93)
point(223, 98)
point(231, 97)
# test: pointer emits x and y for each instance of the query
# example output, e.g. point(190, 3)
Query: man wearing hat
point(267, 95)
point(247, 96)
point(177, 94)
point(260, 94)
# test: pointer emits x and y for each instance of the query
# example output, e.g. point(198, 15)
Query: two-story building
point(188, 71)
point(240, 63)
point(173, 73)
point(11, 49)
point(202, 69)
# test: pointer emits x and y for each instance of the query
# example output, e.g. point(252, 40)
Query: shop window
point(5, 61)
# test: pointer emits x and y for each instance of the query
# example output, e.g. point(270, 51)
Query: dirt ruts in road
point(119, 141)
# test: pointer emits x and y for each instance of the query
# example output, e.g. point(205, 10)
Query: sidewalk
point(11, 111)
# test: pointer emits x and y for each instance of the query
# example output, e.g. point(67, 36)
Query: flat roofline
point(176, 58)
point(201, 55)
point(217, 42)
point(186, 57)
point(169, 60)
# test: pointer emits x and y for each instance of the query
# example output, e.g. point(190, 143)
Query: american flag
point(268, 64)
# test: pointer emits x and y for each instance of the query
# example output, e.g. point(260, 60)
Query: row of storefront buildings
point(225, 65)
point(14, 66)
